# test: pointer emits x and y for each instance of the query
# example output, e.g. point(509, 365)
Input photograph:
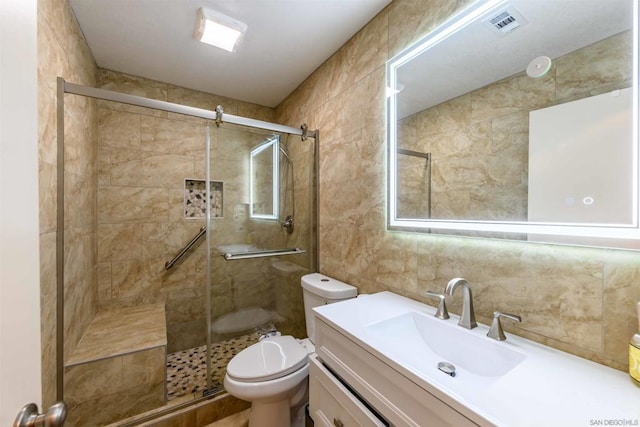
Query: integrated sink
point(423, 341)
point(392, 349)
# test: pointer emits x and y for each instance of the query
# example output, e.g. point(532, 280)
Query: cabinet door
point(332, 405)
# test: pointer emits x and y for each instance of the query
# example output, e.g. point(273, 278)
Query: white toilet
point(272, 374)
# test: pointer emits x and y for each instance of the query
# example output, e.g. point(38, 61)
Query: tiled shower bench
point(118, 367)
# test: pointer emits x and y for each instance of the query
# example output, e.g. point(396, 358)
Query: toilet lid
point(268, 359)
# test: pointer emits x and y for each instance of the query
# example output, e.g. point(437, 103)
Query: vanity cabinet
point(372, 383)
point(384, 349)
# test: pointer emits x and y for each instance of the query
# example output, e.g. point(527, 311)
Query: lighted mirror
point(518, 119)
point(263, 180)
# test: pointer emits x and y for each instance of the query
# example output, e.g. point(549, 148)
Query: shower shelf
point(259, 253)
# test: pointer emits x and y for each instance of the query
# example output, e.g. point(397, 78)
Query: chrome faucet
point(468, 317)
point(496, 331)
point(441, 312)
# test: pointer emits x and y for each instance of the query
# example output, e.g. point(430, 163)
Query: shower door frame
point(217, 116)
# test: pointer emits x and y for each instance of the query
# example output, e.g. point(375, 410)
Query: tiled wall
point(124, 154)
point(63, 52)
point(479, 141)
point(144, 157)
point(577, 299)
point(118, 368)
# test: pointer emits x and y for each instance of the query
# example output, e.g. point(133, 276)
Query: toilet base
point(288, 412)
point(273, 414)
point(276, 414)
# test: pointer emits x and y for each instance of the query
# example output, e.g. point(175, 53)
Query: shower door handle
point(29, 416)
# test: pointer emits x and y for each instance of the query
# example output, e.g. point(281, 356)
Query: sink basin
point(425, 341)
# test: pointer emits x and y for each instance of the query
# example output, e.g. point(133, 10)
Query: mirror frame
point(273, 143)
point(614, 235)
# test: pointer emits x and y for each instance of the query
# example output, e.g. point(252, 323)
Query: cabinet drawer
point(332, 405)
point(396, 398)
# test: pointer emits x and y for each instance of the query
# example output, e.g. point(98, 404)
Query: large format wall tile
point(152, 170)
point(143, 160)
point(172, 136)
point(62, 52)
point(119, 129)
point(132, 204)
point(596, 69)
point(132, 85)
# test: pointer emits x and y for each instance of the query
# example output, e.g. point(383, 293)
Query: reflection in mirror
point(414, 184)
point(518, 117)
point(263, 180)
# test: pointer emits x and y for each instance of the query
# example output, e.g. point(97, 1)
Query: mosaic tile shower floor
point(187, 369)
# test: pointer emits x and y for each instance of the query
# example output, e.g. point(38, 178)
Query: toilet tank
point(318, 289)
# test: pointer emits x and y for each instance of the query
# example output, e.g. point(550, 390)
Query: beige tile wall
point(62, 51)
point(577, 299)
point(144, 156)
point(116, 155)
point(106, 390)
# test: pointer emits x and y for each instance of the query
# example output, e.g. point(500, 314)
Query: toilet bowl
point(273, 373)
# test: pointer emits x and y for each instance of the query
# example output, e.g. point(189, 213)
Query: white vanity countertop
point(549, 388)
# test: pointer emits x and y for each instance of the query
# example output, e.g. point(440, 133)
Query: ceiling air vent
point(506, 20)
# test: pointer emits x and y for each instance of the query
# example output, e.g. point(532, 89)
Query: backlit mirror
point(518, 119)
point(263, 180)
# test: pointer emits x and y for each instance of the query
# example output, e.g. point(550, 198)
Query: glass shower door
point(264, 182)
point(126, 214)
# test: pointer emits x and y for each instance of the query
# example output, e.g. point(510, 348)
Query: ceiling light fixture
point(217, 29)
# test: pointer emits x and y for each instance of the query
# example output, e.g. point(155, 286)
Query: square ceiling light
point(217, 29)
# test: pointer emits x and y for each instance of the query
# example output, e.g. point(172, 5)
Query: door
point(19, 259)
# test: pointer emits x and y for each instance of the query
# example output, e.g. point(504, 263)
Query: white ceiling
point(285, 42)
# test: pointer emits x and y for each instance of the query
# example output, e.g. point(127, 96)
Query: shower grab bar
point(169, 264)
point(230, 256)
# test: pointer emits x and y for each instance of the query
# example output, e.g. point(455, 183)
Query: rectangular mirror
point(263, 180)
point(518, 119)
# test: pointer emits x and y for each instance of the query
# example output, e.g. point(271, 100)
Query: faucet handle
point(441, 312)
point(496, 331)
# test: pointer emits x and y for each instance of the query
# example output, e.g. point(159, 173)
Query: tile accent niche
point(195, 196)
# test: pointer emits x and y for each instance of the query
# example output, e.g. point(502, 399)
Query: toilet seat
point(271, 358)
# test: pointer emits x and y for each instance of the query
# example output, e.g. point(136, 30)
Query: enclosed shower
point(182, 236)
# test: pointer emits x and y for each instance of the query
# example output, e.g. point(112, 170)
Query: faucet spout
point(468, 317)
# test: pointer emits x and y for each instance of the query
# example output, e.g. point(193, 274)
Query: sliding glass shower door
point(260, 238)
point(182, 241)
point(125, 215)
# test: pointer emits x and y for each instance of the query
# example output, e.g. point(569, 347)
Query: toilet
point(273, 373)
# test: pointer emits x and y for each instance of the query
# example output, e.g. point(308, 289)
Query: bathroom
point(578, 299)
